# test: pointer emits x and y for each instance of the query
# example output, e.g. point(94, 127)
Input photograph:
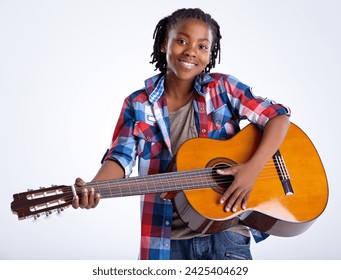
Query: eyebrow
point(188, 36)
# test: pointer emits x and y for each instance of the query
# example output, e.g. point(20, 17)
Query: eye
point(203, 47)
point(182, 41)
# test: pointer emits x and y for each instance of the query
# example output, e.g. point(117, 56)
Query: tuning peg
point(48, 213)
point(60, 210)
point(35, 217)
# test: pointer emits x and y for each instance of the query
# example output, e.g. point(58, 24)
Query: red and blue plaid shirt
point(143, 132)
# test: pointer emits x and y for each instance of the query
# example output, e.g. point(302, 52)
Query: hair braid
point(161, 32)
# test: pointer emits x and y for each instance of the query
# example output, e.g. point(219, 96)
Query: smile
point(187, 65)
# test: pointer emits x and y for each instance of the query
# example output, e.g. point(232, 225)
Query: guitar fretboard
point(158, 183)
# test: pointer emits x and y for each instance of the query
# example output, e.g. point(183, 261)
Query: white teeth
point(187, 64)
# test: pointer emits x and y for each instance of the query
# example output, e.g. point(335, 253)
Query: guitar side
point(271, 207)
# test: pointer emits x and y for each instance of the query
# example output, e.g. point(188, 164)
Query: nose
point(190, 51)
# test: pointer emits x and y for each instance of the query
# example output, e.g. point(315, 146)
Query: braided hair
point(165, 25)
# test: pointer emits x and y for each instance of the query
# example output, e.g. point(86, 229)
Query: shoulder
point(153, 88)
point(218, 77)
point(224, 81)
point(139, 96)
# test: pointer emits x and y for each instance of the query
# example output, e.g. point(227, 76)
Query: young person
point(185, 101)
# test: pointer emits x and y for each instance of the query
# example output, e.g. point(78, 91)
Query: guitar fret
point(158, 183)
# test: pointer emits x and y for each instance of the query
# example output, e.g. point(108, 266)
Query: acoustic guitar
point(289, 194)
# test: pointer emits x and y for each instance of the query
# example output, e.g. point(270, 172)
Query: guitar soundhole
point(223, 181)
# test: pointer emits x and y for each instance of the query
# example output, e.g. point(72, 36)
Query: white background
point(65, 67)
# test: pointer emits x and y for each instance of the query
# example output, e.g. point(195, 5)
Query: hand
point(88, 200)
point(238, 192)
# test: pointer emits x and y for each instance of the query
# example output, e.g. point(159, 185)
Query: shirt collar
point(155, 86)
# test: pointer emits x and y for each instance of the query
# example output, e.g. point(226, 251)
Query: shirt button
point(167, 223)
point(202, 108)
point(165, 244)
point(203, 130)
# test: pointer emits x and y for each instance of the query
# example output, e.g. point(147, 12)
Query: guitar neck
point(157, 183)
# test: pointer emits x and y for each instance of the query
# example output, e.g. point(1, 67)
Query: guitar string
point(127, 185)
point(188, 176)
point(264, 174)
point(268, 170)
point(121, 190)
point(125, 189)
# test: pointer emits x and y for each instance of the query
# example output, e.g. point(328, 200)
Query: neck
point(178, 92)
point(177, 88)
point(156, 183)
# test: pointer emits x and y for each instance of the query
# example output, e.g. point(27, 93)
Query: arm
point(109, 170)
point(245, 174)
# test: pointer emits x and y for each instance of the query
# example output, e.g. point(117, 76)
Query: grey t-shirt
point(182, 127)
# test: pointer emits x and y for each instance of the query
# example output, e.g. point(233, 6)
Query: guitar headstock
point(44, 200)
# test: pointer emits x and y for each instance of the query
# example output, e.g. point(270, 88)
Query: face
point(188, 48)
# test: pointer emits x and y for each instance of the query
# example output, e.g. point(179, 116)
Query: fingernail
point(234, 209)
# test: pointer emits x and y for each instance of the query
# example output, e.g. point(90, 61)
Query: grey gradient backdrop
point(65, 67)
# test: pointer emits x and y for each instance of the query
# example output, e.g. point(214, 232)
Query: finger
point(79, 182)
point(238, 202)
point(227, 194)
point(227, 171)
point(245, 201)
point(229, 197)
point(84, 200)
point(231, 203)
point(231, 189)
point(97, 199)
point(75, 202)
point(91, 198)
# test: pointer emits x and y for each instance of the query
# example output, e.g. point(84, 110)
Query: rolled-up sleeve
point(123, 144)
point(257, 110)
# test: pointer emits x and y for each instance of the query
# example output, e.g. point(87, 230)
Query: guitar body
point(277, 206)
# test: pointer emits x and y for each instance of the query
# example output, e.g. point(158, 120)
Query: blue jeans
point(225, 245)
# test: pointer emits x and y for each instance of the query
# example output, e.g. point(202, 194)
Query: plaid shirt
point(143, 131)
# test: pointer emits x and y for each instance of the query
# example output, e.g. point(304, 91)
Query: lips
point(187, 64)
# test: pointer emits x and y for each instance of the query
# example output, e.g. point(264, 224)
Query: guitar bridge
point(283, 173)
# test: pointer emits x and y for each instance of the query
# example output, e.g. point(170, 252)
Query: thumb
point(80, 182)
point(227, 171)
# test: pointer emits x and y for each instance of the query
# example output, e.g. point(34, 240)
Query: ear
point(164, 47)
